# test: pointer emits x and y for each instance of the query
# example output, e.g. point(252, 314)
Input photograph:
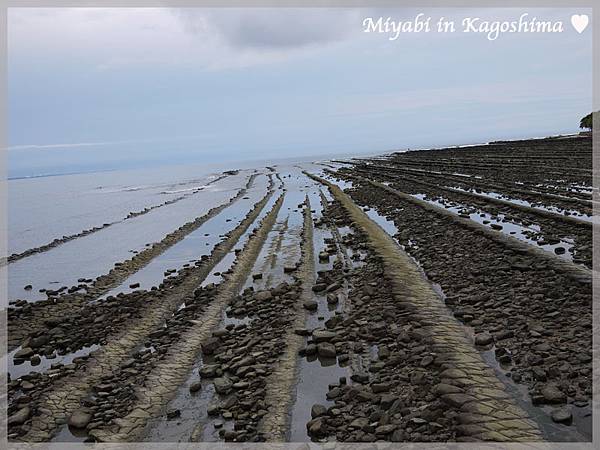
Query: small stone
point(20, 416)
point(562, 415)
point(326, 350)
point(322, 336)
point(24, 353)
point(310, 305)
point(443, 389)
point(359, 423)
point(319, 287)
point(80, 418)
point(311, 349)
point(317, 411)
point(552, 394)
point(263, 296)
point(27, 385)
point(223, 385)
point(380, 387)
point(483, 339)
point(208, 371)
point(195, 386)
point(316, 427)
point(397, 436)
point(173, 414)
point(385, 429)
point(426, 361)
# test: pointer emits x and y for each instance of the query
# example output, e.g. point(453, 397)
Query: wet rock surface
point(401, 368)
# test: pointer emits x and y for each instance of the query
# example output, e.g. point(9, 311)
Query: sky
point(111, 88)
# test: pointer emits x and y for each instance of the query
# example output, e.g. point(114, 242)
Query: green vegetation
point(586, 122)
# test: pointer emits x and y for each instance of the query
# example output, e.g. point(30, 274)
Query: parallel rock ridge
point(420, 297)
point(488, 412)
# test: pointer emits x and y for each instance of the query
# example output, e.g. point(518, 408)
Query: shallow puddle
point(17, 370)
point(553, 209)
point(579, 431)
point(96, 253)
point(520, 232)
point(195, 245)
point(315, 373)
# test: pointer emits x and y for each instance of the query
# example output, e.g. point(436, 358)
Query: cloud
point(212, 39)
point(275, 28)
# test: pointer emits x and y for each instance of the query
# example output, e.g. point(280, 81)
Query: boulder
point(552, 394)
point(326, 350)
point(562, 415)
point(80, 418)
point(24, 353)
point(322, 336)
point(20, 417)
point(317, 411)
point(311, 305)
point(195, 386)
point(263, 296)
point(483, 339)
point(223, 385)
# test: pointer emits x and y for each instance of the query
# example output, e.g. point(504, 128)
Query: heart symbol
point(580, 22)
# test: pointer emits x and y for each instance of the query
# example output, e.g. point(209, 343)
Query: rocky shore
point(417, 297)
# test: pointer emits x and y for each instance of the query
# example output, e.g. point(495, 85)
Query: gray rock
point(208, 371)
point(359, 423)
point(195, 386)
point(223, 385)
point(209, 347)
point(311, 305)
point(173, 414)
point(80, 418)
point(311, 349)
point(483, 339)
point(20, 417)
point(443, 389)
point(334, 286)
point(317, 411)
point(562, 415)
point(552, 394)
point(316, 427)
point(39, 341)
point(322, 336)
point(426, 361)
point(24, 353)
point(380, 387)
point(263, 296)
point(319, 287)
point(326, 350)
point(385, 429)
point(397, 436)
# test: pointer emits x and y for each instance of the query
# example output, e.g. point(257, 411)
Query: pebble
point(562, 415)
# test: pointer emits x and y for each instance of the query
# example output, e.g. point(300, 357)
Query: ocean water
point(41, 209)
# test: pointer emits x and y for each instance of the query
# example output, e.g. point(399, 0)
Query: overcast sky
point(119, 87)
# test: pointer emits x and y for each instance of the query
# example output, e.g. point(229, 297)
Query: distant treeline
point(586, 122)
